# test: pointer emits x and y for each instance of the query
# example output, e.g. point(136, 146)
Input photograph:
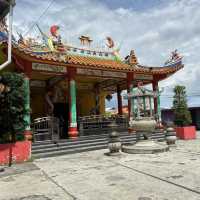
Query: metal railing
point(97, 124)
point(46, 128)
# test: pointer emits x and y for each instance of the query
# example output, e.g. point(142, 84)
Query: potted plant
point(182, 116)
point(13, 146)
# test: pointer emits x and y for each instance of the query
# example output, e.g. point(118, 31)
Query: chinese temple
point(72, 82)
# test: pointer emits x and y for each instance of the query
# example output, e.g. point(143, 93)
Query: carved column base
point(28, 135)
point(73, 132)
point(131, 130)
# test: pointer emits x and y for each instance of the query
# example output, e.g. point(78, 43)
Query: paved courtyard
point(174, 175)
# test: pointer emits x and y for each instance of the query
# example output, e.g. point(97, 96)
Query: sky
point(153, 28)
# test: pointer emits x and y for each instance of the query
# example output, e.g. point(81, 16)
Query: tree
point(11, 106)
point(181, 112)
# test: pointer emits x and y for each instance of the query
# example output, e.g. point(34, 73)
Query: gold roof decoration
point(131, 59)
point(85, 40)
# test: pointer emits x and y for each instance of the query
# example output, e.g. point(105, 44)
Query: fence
point(46, 128)
point(97, 124)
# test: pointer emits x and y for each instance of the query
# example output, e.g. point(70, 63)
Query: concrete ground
point(173, 175)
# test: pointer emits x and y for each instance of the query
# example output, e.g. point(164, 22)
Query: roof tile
point(94, 62)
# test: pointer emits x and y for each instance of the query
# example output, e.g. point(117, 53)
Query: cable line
point(44, 12)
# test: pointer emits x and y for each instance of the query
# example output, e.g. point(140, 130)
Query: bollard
point(171, 136)
point(114, 143)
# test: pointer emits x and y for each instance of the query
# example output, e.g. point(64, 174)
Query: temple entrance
point(61, 112)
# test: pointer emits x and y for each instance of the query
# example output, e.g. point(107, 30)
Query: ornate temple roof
point(60, 58)
point(51, 50)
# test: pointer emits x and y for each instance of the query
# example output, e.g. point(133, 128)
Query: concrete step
point(80, 145)
point(81, 138)
point(67, 143)
point(69, 151)
point(66, 147)
point(85, 140)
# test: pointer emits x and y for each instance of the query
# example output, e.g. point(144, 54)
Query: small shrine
point(143, 120)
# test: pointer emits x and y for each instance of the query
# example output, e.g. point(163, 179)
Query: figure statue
point(117, 54)
point(174, 59)
point(56, 38)
point(49, 102)
point(3, 30)
point(53, 42)
point(110, 43)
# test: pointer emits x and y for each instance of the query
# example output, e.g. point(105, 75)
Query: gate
point(46, 129)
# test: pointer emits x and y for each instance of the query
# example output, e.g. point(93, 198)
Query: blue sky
point(153, 28)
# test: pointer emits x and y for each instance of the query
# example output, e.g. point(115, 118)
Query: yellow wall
point(37, 104)
point(85, 102)
point(102, 102)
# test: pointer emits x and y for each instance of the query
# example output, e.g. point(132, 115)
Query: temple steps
point(81, 144)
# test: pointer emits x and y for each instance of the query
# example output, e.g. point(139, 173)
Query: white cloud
point(153, 34)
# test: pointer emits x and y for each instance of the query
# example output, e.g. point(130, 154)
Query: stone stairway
point(81, 144)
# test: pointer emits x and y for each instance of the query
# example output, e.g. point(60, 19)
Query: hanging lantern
point(109, 97)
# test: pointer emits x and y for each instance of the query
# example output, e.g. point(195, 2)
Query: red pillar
point(97, 99)
point(129, 85)
point(72, 128)
point(155, 87)
point(119, 100)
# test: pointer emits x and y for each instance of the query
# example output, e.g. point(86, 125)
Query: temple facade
point(70, 82)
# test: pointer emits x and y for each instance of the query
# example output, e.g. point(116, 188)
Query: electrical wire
point(44, 12)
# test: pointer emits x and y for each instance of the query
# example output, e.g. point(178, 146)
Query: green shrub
point(12, 107)
point(181, 112)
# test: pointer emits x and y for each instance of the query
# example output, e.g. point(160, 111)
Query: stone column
point(72, 128)
point(119, 100)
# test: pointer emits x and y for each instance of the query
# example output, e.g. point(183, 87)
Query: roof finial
point(132, 58)
point(85, 40)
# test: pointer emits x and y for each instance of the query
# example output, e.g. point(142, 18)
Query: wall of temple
point(37, 103)
point(85, 102)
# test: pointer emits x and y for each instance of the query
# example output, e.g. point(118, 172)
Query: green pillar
point(144, 105)
point(138, 107)
point(72, 129)
point(158, 106)
point(150, 106)
point(73, 122)
point(133, 107)
point(27, 117)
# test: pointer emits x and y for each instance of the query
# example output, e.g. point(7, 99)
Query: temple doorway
point(61, 112)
